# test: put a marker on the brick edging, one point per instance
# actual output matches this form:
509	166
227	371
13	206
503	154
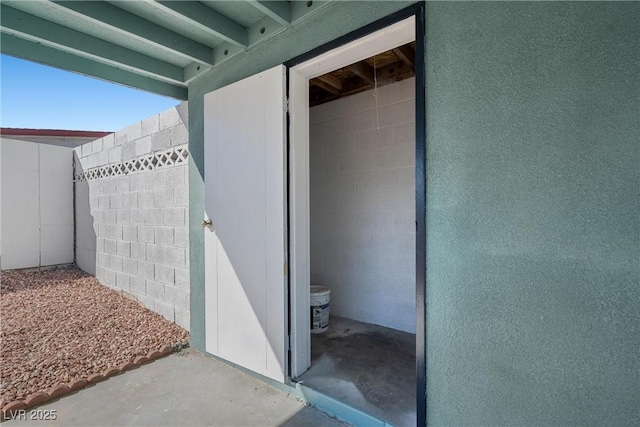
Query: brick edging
61	389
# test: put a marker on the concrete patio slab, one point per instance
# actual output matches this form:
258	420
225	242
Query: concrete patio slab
185	389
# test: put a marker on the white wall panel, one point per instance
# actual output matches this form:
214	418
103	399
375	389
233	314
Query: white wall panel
21	247
56	185
37	204
20	204
0	203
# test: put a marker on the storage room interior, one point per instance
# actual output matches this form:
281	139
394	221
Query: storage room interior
362	233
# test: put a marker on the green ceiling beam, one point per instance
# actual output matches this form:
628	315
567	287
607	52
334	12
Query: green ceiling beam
301	9
207	19
280	11
39	30
116	19
25	49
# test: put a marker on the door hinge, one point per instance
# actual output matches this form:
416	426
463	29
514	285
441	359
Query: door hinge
288	342
286	105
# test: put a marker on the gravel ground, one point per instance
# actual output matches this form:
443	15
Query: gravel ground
62	325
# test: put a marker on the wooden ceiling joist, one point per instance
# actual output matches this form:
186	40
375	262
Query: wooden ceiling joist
384	68
363	70
406	54
331	81
324	86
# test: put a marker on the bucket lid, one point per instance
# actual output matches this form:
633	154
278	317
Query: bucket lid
317	289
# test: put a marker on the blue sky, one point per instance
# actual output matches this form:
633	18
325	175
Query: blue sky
41	97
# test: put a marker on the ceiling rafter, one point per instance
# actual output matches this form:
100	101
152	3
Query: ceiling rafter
144	45
390	67
206	19
25	49
331	81
363	70
116	19
324	86
280	11
39	30
354	87
406	54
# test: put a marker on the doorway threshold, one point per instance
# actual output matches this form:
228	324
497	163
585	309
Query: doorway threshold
362	371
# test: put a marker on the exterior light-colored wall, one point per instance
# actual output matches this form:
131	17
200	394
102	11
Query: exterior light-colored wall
362	205
132	212
37	204
56	205
0	205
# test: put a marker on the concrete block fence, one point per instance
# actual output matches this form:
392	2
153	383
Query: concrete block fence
132	198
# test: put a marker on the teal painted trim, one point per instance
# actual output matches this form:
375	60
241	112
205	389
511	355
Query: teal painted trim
39	30
207	19
338	409
197	328
300	9
194	69
323	23
21	48
265	29
280	11
271	28
116	19
421	208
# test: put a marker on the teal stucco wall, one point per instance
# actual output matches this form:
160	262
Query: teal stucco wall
533	281
533	194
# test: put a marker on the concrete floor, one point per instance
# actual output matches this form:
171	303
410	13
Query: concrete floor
184	389
369	367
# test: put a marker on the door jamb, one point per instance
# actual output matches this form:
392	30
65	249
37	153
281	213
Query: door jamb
417	11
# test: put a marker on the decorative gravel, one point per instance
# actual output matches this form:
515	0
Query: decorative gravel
63	327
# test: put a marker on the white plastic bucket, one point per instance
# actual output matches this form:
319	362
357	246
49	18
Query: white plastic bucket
319	309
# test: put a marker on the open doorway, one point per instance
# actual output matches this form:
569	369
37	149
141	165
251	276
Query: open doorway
353	222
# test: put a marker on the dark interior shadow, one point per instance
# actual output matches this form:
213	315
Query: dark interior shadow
85	228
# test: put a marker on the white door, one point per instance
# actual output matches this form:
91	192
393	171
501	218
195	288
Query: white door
245	196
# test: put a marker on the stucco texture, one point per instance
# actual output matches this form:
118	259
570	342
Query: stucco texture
533	138
533	303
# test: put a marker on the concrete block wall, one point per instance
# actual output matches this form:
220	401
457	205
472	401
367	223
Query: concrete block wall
363	205
132	227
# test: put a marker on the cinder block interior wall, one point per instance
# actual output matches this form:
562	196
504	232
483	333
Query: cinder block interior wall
362	179
37	204
132	225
